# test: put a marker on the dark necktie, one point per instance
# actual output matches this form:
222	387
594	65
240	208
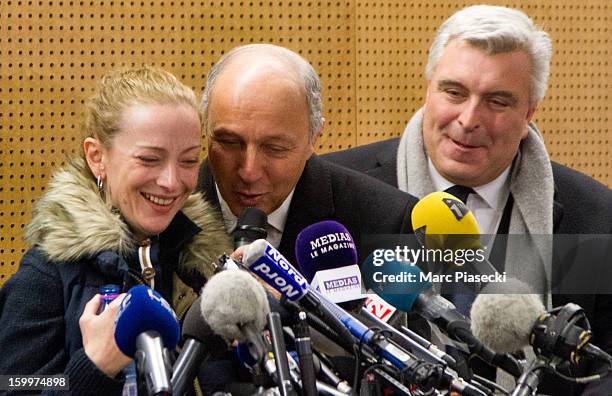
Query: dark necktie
463	300
461	192
462	297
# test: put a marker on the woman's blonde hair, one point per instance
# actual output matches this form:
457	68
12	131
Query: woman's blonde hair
122	88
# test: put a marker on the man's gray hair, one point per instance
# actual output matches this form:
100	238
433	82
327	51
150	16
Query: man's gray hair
495	30
303	72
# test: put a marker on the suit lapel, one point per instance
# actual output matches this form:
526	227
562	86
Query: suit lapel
312	202
386	163
557	212
206	185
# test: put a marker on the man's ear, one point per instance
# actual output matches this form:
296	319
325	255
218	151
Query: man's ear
530	112
94	155
313	140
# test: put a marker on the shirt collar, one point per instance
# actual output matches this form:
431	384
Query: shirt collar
276	219
495	193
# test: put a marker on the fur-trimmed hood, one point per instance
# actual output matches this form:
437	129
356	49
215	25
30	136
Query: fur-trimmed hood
72	222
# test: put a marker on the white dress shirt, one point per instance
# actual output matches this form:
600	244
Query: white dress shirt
276	219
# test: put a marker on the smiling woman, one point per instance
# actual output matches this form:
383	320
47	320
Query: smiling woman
122	213
151	168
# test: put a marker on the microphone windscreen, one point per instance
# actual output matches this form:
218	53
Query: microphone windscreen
231	300
503	315
446	222
397	282
143	309
322	246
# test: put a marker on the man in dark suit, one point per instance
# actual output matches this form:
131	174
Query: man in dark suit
487	71
262	115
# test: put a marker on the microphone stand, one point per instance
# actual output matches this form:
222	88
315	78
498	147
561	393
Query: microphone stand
528	382
280	353
304	351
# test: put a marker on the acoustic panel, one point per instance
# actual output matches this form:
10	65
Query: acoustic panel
370	56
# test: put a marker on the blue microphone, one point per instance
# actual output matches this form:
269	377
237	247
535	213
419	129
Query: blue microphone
264	260
272	267
145	325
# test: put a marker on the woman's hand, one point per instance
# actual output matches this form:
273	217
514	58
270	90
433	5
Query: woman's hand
99	336
238	254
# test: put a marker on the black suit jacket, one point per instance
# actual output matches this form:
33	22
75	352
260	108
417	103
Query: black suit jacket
326	191
581	206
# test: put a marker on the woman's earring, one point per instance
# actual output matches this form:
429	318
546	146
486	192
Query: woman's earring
100	183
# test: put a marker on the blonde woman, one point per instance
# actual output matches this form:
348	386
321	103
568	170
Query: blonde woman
121	213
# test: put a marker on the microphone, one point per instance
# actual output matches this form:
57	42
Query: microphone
272	267
264	260
303	347
285	386
251	226
414	293
235	306
145	325
327	372
326	255
509	322
442	221
440	215
200	340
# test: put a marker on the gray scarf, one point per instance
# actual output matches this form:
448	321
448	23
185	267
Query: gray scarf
532	187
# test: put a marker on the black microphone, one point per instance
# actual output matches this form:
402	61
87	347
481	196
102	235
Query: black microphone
443	313
200	341
251	226
303	347
280	355
509	322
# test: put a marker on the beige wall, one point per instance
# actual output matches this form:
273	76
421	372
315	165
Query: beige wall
370	55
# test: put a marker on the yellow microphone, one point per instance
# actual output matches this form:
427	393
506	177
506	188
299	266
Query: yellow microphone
441	221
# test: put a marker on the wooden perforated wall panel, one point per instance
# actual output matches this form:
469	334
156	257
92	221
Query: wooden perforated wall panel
370	55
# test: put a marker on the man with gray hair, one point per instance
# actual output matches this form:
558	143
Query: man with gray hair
487	71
